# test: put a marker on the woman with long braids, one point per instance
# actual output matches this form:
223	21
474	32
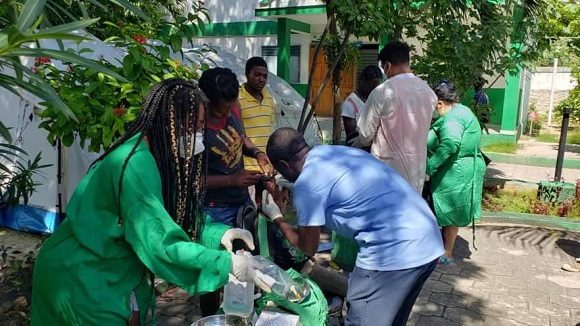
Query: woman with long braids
120	229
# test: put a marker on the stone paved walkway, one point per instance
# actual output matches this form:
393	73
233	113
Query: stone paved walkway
514	278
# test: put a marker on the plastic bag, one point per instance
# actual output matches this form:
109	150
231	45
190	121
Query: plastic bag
312	310
344	252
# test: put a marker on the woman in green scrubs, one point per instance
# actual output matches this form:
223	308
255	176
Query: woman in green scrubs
121	223
455	166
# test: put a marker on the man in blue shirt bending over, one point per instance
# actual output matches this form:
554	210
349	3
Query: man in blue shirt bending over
361	198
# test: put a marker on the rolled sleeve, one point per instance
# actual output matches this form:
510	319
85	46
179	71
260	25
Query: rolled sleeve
379	104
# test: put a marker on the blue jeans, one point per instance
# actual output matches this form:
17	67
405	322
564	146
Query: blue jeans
225	215
384	297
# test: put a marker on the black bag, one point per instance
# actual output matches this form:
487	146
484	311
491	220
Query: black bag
486	159
428	195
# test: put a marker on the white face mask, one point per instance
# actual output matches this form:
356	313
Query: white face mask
198	146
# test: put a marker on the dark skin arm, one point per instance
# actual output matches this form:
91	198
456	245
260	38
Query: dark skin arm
243	178
252	150
349	127
306	238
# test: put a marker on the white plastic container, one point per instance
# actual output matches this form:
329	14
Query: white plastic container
238	296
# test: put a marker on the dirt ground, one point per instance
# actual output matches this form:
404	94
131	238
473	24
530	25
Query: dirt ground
17	250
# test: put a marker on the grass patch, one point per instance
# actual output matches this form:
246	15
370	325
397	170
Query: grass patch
504	147
548	138
525	202
573	137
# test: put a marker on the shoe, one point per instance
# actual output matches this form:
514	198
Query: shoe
444	260
570	268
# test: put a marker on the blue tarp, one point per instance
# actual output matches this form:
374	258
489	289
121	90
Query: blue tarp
29	219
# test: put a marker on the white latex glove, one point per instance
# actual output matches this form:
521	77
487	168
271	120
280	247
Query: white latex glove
269	207
280	181
237	234
355	142
244	269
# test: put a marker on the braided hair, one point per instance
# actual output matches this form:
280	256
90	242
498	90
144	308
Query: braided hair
168	119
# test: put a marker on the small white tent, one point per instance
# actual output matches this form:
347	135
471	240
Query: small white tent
19	114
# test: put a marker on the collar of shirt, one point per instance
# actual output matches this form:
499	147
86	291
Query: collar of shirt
405	75
244	95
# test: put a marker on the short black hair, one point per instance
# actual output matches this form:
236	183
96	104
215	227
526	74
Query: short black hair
370	73
396	53
479	82
219	84
255	62
285	144
446	91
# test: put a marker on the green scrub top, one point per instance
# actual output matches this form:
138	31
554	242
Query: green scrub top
456	167
85	272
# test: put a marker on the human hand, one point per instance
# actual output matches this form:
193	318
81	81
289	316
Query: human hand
237	234
427	177
269	207
265	164
244	269
283	182
280	194
355	142
246	178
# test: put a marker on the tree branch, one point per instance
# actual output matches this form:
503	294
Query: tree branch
343	47
311	74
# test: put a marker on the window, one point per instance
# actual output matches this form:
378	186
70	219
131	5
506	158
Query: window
270	54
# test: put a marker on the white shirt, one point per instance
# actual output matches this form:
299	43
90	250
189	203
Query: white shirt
396	121
352	106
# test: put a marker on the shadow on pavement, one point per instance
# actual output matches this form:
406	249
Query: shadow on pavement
447	297
543	240
569	148
571	247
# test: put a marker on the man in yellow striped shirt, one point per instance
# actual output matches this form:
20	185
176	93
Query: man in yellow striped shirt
258	108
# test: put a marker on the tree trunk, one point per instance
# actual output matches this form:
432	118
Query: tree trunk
302	124
337	108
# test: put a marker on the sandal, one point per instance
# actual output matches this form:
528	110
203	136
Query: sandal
570	268
444	260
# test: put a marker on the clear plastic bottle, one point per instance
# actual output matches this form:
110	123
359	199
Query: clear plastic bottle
238	296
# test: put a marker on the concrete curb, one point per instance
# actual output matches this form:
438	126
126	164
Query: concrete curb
535	220
531	160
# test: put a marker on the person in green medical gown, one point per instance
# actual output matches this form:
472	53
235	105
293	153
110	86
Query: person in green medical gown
455	165
138	213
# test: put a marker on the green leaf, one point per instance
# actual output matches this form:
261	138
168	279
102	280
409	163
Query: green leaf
176	43
163	52
131	7
70	27
14	149
67	139
5	132
37	86
68	57
29	14
201	25
98	4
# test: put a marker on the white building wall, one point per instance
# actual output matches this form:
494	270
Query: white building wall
294	3
246	47
542	79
